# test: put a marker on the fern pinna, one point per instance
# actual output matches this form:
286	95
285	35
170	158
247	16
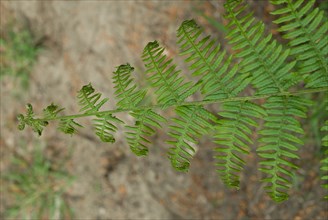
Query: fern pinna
276	73
306	29
130	97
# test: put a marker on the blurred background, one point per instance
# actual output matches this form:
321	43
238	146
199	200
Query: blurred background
49	50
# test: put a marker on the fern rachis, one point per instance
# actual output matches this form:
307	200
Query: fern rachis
264	64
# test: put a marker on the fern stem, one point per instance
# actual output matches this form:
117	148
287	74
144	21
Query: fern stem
203	102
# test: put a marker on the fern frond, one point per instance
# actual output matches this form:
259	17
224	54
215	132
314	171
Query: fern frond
68	126
307	31
233	136
261	56
162	74
36	125
103	123
104	127
137	135
206	59
88	99
129	96
51	111
125	89
193	122
279	136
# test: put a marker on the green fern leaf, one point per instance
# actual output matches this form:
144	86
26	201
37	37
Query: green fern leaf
279	136
307	31
143	128
104	127
218	78
68	126
233	138
264	58
51	111
192	123
103	124
163	75
88	99
130	97
125	90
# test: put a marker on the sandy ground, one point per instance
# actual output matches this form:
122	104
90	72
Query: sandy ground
83	42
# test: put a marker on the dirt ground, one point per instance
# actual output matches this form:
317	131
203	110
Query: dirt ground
83	41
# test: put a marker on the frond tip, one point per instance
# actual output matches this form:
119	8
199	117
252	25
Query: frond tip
51	111
88	99
126	91
36	124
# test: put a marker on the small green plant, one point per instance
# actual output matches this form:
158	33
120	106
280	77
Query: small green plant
280	75
17	54
38	189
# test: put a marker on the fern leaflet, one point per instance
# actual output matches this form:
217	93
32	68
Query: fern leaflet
218	80
307	32
89	102
163	75
192	123
262	57
233	133
145	119
68	126
280	142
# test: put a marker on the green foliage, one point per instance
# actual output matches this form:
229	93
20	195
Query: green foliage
130	97
192	123
306	29
233	140
18	53
163	76
275	71
28	119
88	100
38	189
